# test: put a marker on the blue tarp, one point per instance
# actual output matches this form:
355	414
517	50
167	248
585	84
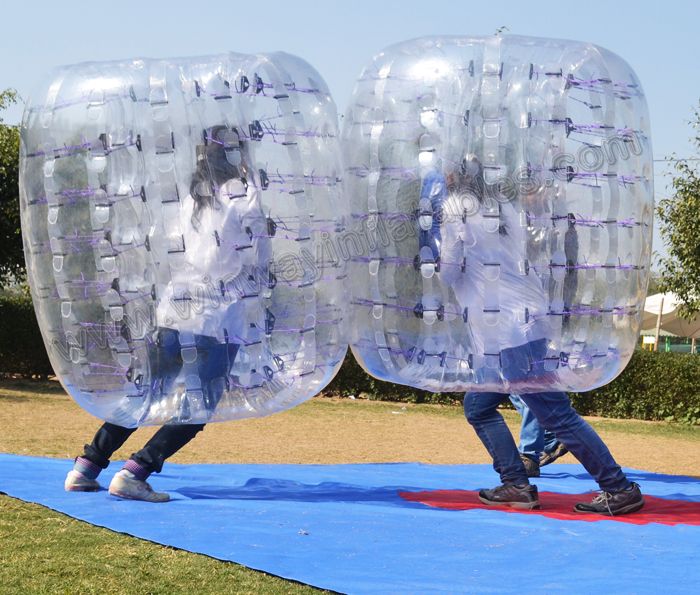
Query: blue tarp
347	528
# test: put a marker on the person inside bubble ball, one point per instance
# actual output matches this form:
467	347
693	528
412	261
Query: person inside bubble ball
522	349
220	219
539	447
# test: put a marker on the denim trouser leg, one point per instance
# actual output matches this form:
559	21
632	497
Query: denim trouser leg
108	439
550	441
214	360
165	443
532	435
481	412
555	413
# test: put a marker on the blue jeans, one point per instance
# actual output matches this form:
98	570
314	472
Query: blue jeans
165	443
214	362
534	439
554	412
434	188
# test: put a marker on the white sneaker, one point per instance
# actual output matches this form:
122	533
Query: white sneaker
125	485
77	482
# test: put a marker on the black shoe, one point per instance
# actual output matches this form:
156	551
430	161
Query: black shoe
614	503
524	496
549	457
531	467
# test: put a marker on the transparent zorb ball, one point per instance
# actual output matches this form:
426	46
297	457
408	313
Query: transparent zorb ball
173	213
501	196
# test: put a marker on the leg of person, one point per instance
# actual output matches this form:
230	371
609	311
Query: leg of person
550	441
215	360
108	439
553	449
168	440
555	413
531	437
530	357
481	412
131	482
165	358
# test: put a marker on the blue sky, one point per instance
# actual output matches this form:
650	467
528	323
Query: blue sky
660	40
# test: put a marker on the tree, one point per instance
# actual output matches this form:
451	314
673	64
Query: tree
11	254
679	216
654	283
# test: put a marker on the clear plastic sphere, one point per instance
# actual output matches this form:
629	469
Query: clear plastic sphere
173	212
501	196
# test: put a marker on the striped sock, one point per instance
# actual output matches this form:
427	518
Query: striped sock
86	467
139	472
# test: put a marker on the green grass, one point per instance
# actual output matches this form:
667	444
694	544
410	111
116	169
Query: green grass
42	551
34	389
629	426
39	391
652	429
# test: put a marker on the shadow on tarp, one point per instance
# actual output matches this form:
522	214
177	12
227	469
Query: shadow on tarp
281	489
669	511
385	528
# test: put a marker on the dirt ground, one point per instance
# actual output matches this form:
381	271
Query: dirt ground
39	419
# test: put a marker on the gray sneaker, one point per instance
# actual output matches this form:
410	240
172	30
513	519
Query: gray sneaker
614	503
77	482
549	457
524	496
125	485
532	468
